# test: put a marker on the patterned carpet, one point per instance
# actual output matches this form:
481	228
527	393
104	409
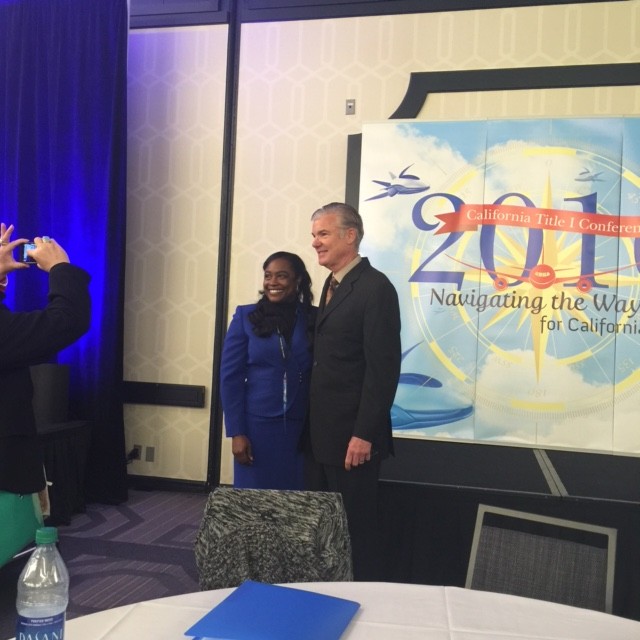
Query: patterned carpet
121	554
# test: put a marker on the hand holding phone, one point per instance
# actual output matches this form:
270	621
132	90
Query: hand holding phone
48	253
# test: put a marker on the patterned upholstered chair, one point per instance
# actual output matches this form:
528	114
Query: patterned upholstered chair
272	536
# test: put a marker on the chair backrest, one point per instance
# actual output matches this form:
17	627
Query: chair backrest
541	557
20	516
273	536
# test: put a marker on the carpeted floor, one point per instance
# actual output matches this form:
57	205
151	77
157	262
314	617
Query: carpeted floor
121	554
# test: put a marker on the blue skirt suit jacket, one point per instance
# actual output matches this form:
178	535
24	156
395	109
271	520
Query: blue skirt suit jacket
264	387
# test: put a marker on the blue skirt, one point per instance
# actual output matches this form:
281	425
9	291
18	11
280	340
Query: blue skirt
277	460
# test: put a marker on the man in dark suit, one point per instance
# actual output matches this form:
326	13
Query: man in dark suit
355	373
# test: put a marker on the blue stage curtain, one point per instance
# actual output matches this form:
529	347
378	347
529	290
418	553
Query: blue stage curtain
63	174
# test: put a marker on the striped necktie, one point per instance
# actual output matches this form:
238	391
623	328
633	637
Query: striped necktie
333	285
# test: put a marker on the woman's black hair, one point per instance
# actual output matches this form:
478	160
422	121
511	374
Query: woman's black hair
305	296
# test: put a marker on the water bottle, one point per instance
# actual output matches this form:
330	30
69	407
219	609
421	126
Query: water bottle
43	591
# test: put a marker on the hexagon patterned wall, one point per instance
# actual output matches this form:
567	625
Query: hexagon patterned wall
176	107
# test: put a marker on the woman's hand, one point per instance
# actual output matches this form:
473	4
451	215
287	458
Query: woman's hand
241	448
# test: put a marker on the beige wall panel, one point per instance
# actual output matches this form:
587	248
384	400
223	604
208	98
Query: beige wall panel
295	78
176	107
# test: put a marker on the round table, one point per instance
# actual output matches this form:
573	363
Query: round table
388	611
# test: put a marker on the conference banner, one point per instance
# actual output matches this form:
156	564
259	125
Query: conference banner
514	246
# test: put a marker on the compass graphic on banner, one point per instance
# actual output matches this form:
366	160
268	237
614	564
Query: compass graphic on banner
542	281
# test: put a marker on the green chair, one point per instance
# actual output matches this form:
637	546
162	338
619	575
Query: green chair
20	516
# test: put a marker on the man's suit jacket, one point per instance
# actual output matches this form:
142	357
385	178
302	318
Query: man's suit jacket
356	365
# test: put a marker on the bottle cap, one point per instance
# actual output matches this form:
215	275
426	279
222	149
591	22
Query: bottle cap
46	535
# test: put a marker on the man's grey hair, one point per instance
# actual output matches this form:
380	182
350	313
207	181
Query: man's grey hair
348	217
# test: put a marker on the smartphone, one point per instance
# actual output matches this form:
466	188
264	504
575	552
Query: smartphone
25	257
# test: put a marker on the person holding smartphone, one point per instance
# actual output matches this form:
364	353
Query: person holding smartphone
28	338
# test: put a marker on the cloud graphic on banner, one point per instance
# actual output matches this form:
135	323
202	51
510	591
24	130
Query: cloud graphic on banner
559	387
525	169
430	159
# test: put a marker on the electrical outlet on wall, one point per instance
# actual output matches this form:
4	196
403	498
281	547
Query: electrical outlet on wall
150	454
350	107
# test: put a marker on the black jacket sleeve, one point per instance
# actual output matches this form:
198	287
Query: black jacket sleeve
29	337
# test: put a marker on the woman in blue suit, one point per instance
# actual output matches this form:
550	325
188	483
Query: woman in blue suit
264	377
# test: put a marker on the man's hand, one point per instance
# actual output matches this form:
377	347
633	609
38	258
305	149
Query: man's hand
48	253
241	448
358	452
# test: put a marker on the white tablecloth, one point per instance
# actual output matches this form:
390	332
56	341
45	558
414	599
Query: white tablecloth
388	611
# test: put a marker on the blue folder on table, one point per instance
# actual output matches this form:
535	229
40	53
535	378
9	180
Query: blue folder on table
258	611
